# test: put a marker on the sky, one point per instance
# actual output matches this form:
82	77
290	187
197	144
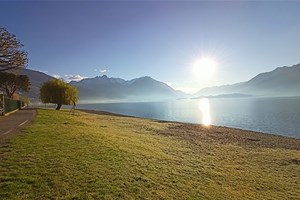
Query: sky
161	39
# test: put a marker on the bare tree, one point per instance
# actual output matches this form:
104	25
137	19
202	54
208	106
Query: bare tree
11	54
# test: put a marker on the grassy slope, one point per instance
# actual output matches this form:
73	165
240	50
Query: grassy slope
86	156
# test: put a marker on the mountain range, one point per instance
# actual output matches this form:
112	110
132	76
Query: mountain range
103	88
283	81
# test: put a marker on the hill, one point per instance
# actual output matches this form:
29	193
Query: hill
107	89
283	81
36	80
103	88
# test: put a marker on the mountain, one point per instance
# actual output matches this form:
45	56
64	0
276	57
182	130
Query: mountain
283	81
103	88
36	80
231	95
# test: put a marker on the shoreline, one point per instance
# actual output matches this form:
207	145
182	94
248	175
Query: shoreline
276	116
220	134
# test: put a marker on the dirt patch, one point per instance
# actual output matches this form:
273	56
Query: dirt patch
104	113
224	135
295	161
290	162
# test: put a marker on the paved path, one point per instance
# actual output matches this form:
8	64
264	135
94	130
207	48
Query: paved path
13	123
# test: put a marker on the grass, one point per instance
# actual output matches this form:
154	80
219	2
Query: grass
88	156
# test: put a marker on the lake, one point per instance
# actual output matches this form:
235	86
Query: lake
279	116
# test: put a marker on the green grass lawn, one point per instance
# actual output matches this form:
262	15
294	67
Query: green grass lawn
87	156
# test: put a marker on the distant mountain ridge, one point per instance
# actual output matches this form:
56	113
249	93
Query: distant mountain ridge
283	81
103	88
36	80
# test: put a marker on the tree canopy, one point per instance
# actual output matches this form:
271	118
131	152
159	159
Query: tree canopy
11	54
58	92
10	83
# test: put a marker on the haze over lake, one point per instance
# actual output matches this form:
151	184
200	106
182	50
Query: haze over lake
279	115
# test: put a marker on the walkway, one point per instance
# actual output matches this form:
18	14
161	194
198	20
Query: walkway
13	123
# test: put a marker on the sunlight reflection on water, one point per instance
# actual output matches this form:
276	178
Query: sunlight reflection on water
205	109
279	115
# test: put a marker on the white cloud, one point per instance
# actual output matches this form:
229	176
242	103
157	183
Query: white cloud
168	83
74	77
103	70
57	76
45	72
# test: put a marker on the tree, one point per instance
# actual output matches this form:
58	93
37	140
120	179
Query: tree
11	54
10	83
58	92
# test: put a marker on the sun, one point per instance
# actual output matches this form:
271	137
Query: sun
204	68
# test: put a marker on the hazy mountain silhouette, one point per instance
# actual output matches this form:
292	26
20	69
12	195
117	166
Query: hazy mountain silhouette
231	95
103	88
283	81
36	80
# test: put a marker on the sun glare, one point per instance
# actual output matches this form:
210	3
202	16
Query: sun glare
204	68
205	109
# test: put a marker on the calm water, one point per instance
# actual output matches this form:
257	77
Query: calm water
270	115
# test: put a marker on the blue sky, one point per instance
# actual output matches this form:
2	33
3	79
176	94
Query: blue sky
158	39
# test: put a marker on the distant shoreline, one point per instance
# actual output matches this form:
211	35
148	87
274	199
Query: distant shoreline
267	115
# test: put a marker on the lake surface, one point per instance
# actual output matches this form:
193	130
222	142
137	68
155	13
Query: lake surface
279	116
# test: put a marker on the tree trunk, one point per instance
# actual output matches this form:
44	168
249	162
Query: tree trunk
58	106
